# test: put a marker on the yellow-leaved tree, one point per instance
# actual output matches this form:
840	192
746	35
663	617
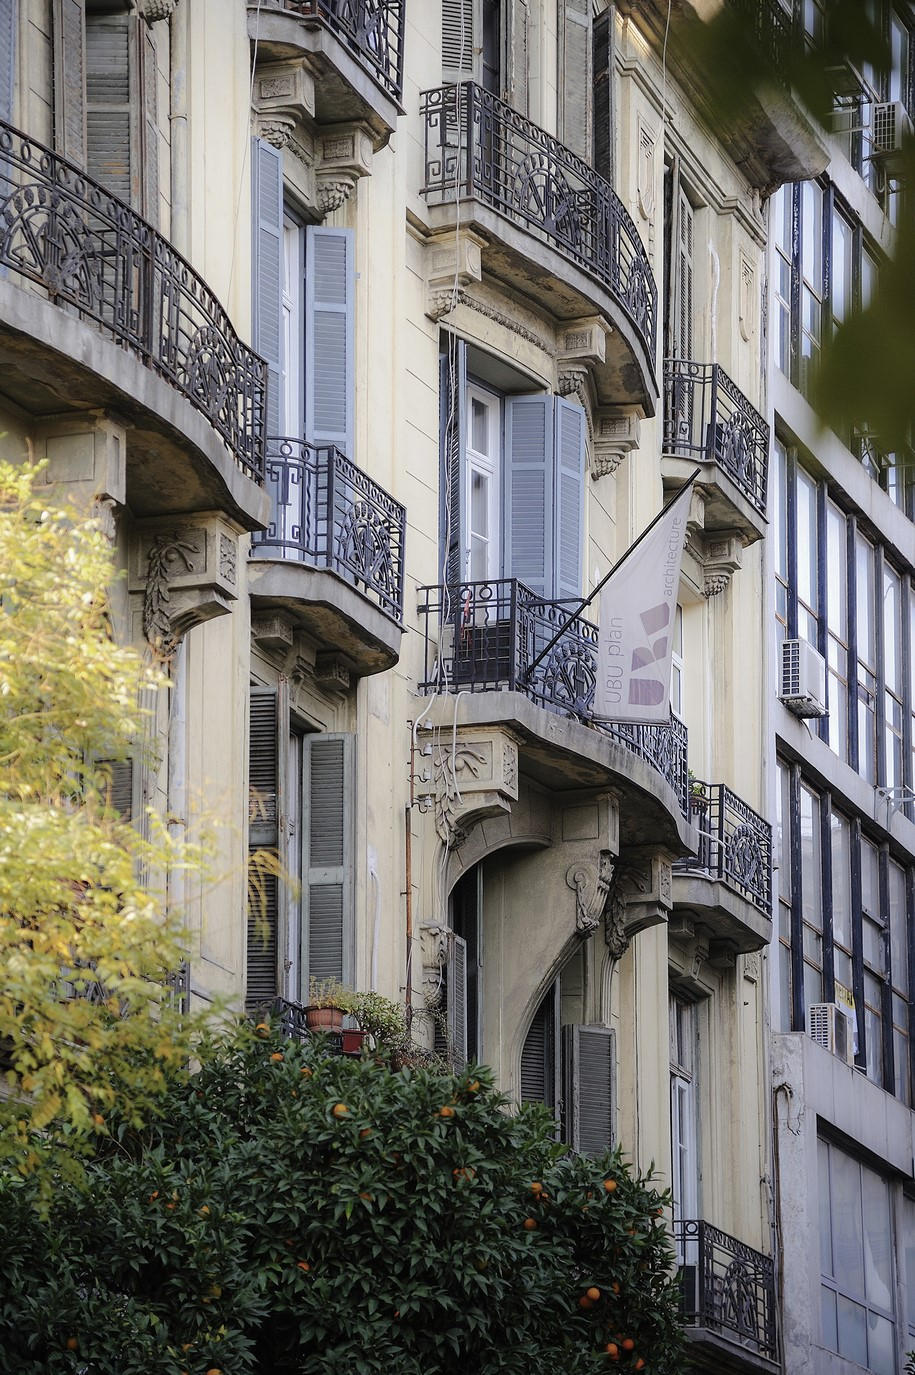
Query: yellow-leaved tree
89	1020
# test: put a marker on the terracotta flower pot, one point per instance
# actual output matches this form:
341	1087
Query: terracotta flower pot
352	1041
324	1018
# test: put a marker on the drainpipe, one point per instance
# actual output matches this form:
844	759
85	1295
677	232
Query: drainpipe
179	25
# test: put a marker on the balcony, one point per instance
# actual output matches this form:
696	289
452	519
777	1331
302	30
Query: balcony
332	555
728	883
727	1301
98	311
482	638
554	230
354	48
708	421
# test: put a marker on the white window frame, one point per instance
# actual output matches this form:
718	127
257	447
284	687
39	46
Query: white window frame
489	466
684	1149
293	374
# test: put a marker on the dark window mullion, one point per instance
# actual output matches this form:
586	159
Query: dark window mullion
822	582
829	980
907	650
886	993
829	205
880	646
857	943
798	1007
791	530
852	632
910	933
795	191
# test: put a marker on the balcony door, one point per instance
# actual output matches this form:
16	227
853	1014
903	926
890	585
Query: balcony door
684	1152
483	477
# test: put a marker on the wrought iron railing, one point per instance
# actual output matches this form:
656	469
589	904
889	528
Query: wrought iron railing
328	512
735	843
477	146
374	29
727	1286
773	30
92	255
484	637
177	985
707	417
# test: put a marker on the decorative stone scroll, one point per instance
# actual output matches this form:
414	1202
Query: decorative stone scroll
616	433
641	895
466	780
186	573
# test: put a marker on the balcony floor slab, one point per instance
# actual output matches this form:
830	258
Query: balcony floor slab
725	913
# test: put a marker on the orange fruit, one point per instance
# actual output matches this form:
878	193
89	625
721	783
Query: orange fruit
262	1029
154	1195
72	1343
277	1055
610	1185
214	1370
306	1071
98	1119
474	1087
536	1187
446	1111
170	1207
204	1210
366	1131
612	1350
615	1286
585	1302
303	1265
340	1110
367	1197
627	1344
640	1364
530	1224
593	1293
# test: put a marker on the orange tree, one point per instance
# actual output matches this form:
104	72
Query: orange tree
293	1211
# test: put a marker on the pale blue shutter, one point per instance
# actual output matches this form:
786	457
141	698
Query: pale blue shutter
108	134
329	334
267	305
7	58
327	859
452	423
588	1056
571	436
529	504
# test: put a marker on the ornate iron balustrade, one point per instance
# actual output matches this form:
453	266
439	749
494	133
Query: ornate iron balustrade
727	1286
374	29
93	255
328	512
483	636
773	30
707	417
735	843
177	986
478	146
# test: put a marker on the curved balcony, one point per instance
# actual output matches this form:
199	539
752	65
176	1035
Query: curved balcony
709	421
354	47
332	554
559	233
728	1301
727	885
482	637
112	316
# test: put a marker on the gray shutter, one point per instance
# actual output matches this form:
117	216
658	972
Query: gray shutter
602	104
150	158
452	439
8	10
457	1000
588	1063
538	1054
329	337
108	157
267	277
529	505
683	279
519	60
327	860
70	80
571	438
262	970
575	93
120	787
458	39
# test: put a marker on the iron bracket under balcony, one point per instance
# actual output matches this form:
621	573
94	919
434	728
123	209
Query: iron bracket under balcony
727	1302
550	228
331	559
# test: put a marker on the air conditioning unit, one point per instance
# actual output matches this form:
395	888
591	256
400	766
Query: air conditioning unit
832	1028
891	123
802	679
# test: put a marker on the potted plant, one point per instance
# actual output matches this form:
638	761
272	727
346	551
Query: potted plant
328	1000
381	1019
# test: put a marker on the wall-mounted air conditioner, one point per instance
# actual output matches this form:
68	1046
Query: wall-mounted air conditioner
802	679
831	1026
891	122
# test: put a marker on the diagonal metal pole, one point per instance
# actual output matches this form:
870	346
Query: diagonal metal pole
606	578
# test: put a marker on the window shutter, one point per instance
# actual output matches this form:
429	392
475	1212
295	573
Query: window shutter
267	236
538	1055
329	321
683	287
603	95
262	971
7	58
70	80
150	160
108	103
588	1062
529	506
571	437
452	437
457	1000
327	861
120	787
575	104
458	39
518	93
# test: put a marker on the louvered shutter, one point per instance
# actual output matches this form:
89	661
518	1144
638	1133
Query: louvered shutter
529	505
571	437
70	80
108	137
458	39
683	308
602	104
457	1000
327	861
267	277
150	129
519	20
452	437
120	787
262	973
7	58
588	1065
329	337
575	95
538	1054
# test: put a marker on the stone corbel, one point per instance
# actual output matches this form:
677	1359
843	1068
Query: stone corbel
574	380
719	555
463	783
152	10
590	836
590	884
186	571
343	155
273	633
86	454
284	91
453	263
332	672
582	341
641	895
616	433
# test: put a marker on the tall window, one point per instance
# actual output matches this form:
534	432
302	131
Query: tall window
683	1109
857	1295
867	658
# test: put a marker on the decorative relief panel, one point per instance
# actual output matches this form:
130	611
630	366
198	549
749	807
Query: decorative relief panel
465	780
186	572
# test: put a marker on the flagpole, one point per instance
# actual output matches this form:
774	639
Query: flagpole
606	578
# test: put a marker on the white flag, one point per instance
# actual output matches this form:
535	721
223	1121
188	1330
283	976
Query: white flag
638	605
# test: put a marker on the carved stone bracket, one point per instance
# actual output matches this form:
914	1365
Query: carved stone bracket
186	571
464	782
641	895
152	10
719	555
343	154
86	453
453	262
590	884
284	91
616	433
